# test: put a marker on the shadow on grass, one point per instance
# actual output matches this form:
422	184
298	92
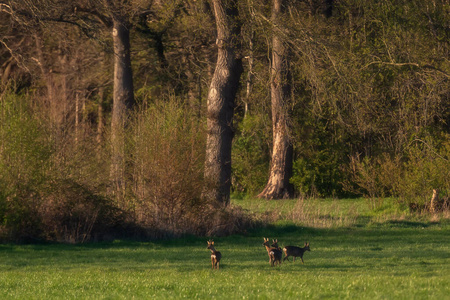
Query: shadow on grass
406	224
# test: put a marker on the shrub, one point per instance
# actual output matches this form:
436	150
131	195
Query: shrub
250	156
318	175
410	177
72	213
425	169
167	180
37	201
25	161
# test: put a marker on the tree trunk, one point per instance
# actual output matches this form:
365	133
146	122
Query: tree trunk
221	102
249	81
278	185
123	102
434	202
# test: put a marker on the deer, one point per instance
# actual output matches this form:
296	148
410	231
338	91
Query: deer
295	252
215	255
274	252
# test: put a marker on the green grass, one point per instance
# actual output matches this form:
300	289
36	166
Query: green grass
333	213
393	259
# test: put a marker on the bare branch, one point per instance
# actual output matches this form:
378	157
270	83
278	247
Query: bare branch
407	64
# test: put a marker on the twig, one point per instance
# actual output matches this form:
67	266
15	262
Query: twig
429	147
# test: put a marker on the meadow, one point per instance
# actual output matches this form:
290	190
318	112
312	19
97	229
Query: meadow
358	251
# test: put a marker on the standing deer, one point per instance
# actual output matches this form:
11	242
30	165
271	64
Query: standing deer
274	252
215	255
295	251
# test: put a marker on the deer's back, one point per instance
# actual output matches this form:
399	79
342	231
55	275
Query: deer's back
293	251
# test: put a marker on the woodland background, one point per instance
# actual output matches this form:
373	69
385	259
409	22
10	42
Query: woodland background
368	112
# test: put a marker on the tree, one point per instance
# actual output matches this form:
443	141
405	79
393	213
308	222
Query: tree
123	100
278	185
221	102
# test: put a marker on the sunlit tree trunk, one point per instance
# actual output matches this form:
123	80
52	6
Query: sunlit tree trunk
221	102
278	185
249	81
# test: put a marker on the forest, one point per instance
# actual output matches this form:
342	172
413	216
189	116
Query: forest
142	118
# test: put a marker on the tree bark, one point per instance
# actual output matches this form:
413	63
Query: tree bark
221	102
434	202
249	81
123	102
278	185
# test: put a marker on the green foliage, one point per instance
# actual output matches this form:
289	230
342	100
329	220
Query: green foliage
318	141
411	177
425	169
370	87
318	175
25	152
25	148
250	155
44	194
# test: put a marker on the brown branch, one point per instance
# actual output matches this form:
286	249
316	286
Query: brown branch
407	64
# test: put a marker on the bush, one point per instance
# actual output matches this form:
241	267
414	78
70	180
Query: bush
317	176
426	169
168	155
72	213
36	201
251	156
411	177
25	161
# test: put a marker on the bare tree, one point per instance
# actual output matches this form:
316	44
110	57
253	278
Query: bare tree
278	185
123	100
221	102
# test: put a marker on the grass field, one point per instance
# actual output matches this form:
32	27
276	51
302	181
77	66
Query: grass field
392	259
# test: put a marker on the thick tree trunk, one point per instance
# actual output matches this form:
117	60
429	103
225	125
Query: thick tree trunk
221	102
278	185
123	102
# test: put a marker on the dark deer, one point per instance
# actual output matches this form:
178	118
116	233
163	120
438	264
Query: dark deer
295	251
274	253
215	255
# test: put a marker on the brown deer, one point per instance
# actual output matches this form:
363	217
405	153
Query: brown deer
215	255
277	254
295	252
274	252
